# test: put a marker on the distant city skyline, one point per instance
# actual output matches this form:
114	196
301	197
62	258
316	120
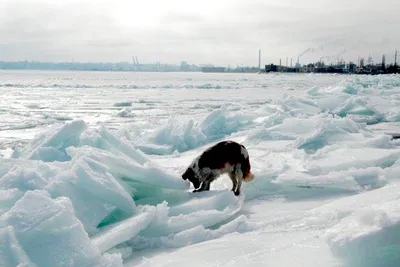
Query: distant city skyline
393	58
224	32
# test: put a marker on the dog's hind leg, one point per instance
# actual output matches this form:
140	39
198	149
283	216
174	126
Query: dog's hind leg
239	178
234	180
239	185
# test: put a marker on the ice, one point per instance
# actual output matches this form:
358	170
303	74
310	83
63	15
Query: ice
11	252
352	179
191	217
358	100
296	105
175	137
117	233
105	188
123	104
195	235
22	179
393	116
125	113
314	133
8	198
94	177
94	192
18	176
105	140
101	179
178	136
369	235
155	149
49	232
87	207
325	161
329	131
59	117
359	110
51	145
127	169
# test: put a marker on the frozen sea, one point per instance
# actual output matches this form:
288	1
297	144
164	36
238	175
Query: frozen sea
90	166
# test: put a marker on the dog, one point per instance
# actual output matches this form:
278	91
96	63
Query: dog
224	157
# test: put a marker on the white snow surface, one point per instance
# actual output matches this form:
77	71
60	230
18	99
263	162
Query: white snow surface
91	164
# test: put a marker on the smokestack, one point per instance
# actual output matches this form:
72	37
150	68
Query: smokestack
280	62
291	62
395	58
287	62
259	59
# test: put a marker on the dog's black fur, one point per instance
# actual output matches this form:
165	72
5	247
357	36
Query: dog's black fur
224	157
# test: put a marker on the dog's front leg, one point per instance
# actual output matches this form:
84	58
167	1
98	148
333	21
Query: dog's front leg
199	189
207	187
204	186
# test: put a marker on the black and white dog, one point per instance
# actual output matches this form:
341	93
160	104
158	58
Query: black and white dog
225	157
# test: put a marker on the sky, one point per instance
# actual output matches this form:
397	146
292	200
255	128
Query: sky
220	32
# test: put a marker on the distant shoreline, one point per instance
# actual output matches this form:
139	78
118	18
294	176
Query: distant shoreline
200	72
126	67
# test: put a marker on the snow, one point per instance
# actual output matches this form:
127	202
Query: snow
98	181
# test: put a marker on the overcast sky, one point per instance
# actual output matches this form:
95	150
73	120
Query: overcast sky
203	31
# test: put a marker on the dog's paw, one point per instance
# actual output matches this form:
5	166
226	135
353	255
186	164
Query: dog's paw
237	192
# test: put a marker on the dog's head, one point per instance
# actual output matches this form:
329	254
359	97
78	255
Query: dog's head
190	175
